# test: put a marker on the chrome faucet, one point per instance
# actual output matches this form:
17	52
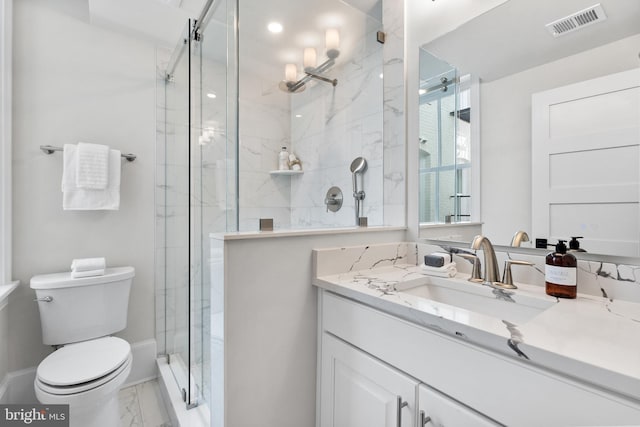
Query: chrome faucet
519	237
491	270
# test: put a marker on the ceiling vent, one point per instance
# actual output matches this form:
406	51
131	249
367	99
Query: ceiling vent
576	21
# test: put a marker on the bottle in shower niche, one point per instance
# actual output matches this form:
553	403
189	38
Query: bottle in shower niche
283	160
560	272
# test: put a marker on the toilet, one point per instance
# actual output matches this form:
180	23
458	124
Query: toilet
89	366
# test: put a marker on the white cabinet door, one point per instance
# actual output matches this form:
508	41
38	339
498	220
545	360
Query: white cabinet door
436	409
358	390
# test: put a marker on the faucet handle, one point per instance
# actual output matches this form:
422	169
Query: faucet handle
475	272
507	278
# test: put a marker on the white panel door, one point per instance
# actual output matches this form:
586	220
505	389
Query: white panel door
434	408
586	163
358	390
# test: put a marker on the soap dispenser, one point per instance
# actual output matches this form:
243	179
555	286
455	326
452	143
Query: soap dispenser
574	245
561	272
283	160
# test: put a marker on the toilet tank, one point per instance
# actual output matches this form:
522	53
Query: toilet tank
83	308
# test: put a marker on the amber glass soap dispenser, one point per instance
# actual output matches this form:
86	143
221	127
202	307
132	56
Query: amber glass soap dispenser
560	272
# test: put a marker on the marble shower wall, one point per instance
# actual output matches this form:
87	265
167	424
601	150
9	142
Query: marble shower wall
331	126
394	145
264	128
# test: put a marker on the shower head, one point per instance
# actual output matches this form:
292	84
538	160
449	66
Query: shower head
358	165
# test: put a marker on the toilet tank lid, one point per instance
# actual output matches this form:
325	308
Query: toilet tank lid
64	280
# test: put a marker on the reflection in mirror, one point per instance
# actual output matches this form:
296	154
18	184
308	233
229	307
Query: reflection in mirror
444	142
514	56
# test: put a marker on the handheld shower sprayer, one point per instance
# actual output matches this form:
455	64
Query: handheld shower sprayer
358	167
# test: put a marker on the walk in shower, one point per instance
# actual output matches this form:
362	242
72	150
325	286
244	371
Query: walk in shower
230	96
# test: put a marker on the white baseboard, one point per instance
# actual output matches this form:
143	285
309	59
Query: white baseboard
17	386
144	366
20	387
4	390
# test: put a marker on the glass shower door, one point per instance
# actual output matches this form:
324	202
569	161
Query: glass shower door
200	186
183	258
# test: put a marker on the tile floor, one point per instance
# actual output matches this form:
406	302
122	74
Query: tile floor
141	405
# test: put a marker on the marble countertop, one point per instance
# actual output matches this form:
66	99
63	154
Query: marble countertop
590	338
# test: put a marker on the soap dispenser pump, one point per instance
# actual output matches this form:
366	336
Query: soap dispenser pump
561	272
574	245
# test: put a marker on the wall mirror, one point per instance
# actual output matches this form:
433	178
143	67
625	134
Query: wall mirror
514	54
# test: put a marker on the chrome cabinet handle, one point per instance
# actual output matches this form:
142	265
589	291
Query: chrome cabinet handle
44	299
424	419
401	405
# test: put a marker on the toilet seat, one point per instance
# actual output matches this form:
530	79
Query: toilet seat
83	366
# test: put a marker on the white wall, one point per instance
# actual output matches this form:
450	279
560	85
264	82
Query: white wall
6	11
505	129
76	82
270	313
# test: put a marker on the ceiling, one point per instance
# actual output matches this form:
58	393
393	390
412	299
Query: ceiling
512	36
161	21
304	22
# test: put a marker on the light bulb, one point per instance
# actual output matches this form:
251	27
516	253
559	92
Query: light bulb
310	58
290	72
332	42
275	27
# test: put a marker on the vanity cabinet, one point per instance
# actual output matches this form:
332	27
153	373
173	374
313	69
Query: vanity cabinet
436	409
360	391
368	358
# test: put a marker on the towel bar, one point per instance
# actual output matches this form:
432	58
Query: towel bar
49	149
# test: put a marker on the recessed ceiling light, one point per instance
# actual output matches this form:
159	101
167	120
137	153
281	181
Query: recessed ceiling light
211	95
275	27
381	75
298	115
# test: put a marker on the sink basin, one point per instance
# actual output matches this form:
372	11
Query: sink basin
498	303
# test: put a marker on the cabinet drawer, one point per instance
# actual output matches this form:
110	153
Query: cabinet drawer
506	390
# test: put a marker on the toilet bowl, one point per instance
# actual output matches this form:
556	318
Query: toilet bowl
86	376
91	366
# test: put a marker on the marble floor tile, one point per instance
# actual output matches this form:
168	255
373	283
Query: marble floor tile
130	414
154	412
141	405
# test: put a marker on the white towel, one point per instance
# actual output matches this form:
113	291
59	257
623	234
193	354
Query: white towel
88	264
92	167
89	273
447	270
74	198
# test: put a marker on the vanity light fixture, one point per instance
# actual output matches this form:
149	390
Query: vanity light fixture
292	84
